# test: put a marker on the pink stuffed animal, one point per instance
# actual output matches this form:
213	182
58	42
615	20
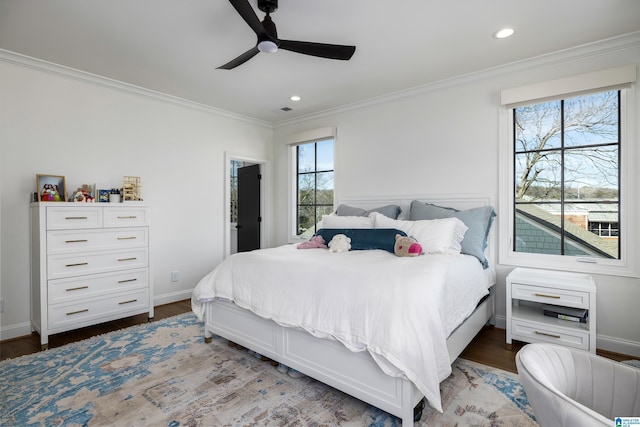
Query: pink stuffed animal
314	242
407	246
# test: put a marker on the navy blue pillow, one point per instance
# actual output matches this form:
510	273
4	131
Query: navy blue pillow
364	238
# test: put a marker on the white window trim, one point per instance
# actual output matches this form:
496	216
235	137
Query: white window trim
630	164
292	141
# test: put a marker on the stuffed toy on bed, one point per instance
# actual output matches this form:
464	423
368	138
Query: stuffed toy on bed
340	243
407	246
313	243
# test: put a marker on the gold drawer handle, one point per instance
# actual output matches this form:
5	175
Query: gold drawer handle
127	280
76	241
78	264
127	302
77	312
127	217
548	296
76	217
77	289
547	335
127	259
127	238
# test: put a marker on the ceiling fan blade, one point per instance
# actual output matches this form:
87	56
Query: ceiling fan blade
323	50
249	15
240	59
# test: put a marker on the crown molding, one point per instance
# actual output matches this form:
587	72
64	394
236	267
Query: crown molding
24	61
577	53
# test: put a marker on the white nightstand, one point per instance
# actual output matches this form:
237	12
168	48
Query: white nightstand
528	290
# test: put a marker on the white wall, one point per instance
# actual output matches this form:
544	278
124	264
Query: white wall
58	122
444	139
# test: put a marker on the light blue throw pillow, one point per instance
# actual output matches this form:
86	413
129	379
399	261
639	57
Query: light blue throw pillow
478	220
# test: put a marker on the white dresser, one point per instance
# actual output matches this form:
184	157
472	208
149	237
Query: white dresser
89	264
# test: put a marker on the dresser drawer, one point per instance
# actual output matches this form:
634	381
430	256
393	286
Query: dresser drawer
68	217
73	315
125	216
69	241
74	288
523	330
555	296
77	264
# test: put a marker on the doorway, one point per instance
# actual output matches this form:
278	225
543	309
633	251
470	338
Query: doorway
244	205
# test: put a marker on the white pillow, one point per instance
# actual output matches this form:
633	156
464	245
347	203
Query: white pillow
435	235
337	221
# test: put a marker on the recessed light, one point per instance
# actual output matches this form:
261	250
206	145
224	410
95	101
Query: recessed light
295	98
503	33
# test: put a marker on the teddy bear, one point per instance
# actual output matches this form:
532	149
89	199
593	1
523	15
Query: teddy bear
340	243
407	246
314	242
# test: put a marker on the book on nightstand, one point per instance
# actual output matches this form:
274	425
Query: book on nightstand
566	313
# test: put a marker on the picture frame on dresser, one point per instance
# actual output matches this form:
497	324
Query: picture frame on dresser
51	188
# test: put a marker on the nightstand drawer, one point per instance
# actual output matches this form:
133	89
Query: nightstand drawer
69	241
537	332
125	216
555	296
69	265
74	288
76	314
66	218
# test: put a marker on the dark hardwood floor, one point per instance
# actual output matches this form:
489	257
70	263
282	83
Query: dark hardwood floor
488	347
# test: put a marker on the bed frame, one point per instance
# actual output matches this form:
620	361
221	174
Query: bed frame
330	362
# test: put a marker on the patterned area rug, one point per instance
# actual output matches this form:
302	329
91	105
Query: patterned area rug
163	374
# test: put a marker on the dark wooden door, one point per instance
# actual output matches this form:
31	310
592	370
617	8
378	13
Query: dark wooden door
249	208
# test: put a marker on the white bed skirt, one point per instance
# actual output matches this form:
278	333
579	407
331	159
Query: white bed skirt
331	362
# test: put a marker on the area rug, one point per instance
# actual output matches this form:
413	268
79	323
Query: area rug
163	374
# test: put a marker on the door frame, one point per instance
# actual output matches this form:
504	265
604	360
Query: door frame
264	198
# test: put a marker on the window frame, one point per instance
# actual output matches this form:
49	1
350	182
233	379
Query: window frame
627	265
293	141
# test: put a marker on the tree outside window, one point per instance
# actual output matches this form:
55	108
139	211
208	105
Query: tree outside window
567	176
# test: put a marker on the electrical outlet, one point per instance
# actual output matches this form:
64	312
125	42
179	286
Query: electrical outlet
174	276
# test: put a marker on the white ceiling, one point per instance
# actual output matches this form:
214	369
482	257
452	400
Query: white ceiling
174	46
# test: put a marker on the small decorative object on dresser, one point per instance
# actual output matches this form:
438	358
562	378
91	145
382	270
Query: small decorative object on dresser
89	264
551	306
50	188
103	195
131	189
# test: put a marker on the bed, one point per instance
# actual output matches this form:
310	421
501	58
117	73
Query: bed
297	307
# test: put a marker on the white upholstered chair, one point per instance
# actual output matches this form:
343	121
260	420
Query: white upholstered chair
568	387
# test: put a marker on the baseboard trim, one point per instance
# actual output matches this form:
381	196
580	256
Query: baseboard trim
171	297
617	345
15	331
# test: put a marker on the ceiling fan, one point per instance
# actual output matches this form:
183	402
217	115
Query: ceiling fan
268	40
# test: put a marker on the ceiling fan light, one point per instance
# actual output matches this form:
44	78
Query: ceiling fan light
267	46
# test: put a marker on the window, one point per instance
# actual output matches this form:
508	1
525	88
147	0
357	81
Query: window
569	174
233	189
567	181
314	184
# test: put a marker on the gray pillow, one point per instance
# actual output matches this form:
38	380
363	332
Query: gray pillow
478	220
392	211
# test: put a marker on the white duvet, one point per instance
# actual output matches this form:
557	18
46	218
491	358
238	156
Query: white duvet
400	310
